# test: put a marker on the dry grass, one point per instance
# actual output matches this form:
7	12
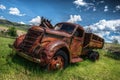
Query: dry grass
19	32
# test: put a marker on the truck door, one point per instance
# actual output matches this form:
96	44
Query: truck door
77	42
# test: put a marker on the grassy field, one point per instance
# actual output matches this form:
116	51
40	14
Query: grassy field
13	67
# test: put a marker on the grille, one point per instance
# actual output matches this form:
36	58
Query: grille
29	40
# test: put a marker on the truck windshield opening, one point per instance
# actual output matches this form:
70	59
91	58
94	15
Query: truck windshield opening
64	27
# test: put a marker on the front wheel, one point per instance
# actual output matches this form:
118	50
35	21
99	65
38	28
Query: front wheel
59	61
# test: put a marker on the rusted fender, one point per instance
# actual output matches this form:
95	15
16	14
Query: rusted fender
18	40
54	46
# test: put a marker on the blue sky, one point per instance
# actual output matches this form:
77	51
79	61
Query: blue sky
88	13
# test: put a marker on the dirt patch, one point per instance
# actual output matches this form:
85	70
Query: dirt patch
19	32
3	28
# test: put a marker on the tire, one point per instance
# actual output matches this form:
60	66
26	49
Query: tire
93	56
59	61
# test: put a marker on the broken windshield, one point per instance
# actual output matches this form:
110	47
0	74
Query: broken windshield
64	27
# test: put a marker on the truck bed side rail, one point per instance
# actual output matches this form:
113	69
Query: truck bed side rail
93	41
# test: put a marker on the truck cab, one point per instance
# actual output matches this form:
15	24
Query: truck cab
76	38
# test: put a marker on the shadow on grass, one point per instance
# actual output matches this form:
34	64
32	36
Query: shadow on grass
34	68
28	66
22	65
74	65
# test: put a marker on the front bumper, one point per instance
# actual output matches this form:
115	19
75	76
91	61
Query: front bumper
36	60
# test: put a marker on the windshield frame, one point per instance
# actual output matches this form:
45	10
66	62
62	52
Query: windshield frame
67	25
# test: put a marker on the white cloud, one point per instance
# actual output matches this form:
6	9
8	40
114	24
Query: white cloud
107	29
88	8
94	8
75	18
15	11
80	3
114	11
36	20
2	7
106	25
1	17
105	8
118	7
21	22
99	2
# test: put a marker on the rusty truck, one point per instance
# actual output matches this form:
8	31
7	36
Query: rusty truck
57	46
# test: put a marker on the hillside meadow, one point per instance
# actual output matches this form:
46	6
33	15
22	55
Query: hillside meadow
20	31
14	67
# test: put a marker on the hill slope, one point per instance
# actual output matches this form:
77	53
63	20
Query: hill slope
9	23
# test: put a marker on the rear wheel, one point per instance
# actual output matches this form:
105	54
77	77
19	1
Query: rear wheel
93	55
59	61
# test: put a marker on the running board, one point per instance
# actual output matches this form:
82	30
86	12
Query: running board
76	59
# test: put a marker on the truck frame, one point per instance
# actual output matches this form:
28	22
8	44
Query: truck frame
56	47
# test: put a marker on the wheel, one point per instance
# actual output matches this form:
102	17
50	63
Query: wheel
59	61
93	56
97	55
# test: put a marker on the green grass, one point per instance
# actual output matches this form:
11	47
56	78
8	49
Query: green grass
13	67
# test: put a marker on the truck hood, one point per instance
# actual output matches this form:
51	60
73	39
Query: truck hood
48	38
51	31
50	35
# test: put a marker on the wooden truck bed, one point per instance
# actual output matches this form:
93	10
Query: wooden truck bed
93	41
